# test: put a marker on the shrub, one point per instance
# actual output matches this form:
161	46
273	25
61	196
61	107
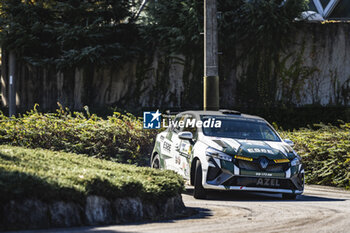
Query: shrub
119	137
326	153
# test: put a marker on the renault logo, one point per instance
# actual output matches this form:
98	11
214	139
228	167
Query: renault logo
264	162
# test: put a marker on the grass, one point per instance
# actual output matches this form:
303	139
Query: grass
49	175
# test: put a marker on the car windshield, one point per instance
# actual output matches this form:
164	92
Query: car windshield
245	128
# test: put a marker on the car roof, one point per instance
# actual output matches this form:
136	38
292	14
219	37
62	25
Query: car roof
232	113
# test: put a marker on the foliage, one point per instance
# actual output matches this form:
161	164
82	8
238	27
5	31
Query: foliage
175	26
293	78
48	176
260	24
263	30
68	33
119	137
325	152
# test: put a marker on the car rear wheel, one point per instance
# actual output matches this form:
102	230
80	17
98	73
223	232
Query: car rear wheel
199	191
289	196
156	162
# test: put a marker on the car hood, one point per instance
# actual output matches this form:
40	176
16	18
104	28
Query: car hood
251	148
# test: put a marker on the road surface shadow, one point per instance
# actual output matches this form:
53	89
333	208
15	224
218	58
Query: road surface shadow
245	196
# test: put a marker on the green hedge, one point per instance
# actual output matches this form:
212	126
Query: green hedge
119	137
49	175
326	153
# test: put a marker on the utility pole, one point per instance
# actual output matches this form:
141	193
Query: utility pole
211	69
12	87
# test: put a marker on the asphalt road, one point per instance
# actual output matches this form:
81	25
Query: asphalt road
320	209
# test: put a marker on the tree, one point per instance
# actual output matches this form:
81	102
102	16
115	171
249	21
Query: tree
175	26
69	33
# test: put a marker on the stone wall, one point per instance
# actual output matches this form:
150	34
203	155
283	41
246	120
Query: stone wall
35	214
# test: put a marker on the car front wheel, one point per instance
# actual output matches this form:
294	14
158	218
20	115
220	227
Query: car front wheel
199	191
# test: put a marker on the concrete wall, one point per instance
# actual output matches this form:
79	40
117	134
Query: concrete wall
317	71
326	47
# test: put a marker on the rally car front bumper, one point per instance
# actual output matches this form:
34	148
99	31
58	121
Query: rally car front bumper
224	175
252	189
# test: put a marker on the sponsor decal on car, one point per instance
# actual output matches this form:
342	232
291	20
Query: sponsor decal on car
258	150
268	182
167	146
263	174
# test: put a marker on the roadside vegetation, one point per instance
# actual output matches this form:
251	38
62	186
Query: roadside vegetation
119	137
48	175
325	151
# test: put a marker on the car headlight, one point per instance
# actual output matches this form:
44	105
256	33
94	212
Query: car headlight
211	152
295	162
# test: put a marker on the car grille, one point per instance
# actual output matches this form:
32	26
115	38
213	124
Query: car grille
255	166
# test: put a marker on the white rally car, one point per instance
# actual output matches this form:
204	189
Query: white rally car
227	150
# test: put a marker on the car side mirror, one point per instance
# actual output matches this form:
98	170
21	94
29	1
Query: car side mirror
289	142
186	135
